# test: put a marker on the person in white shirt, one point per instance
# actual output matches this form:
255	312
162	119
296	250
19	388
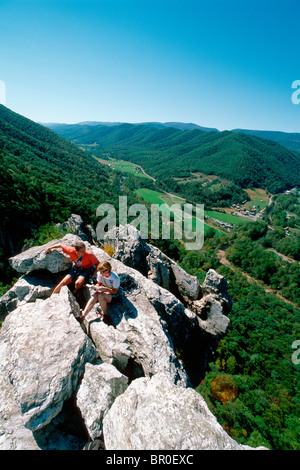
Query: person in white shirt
108	284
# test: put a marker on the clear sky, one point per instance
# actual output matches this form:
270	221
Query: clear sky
218	63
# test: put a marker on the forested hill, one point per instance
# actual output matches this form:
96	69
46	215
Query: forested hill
245	160
44	178
290	140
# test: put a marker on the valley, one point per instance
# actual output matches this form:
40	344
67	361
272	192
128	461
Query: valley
226	218
175	155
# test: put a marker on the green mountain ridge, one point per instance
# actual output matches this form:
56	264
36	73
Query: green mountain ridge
246	160
290	140
159	125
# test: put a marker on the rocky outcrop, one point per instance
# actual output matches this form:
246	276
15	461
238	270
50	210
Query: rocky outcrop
45	372
28	288
35	259
133	250
154	414
64	383
76	225
100	386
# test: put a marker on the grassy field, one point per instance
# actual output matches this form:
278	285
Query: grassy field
227	218
124	167
259	198
155	197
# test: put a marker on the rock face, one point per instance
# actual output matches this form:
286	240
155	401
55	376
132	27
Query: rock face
63	383
132	250
154	414
28	288
100	386
35	259
44	373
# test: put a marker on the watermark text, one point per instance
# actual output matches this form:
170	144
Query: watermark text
296	354
296	94
180	222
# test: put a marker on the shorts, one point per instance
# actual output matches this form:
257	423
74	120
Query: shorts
84	272
116	297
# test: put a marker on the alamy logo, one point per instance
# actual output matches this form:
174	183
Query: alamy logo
296	354
2	92
186	223
296	94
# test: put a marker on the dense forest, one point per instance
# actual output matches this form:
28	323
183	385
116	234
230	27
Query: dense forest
290	140
252	385
169	153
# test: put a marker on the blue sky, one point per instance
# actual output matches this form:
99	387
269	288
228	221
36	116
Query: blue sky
224	63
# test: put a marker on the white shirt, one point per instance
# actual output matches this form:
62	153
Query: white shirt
112	281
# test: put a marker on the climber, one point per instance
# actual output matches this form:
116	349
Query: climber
106	290
84	265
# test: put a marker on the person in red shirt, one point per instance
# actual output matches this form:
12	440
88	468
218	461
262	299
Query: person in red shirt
84	265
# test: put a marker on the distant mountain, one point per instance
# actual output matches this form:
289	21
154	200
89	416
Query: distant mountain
160	125
180	125
246	160
290	140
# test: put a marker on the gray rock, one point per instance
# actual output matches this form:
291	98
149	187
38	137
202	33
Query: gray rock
154	414
135	252
35	259
100	386
129	247
210	315
146	321
13	434
215	282
110	343
149	325
46	351
75	225
27	289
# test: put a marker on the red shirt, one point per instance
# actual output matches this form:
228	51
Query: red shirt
88	260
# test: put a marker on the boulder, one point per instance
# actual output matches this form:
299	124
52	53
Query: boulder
210	315
100	386
132	249
76	226
110	343
129	246
147	311
154	414
28	288
35	259
145	323
215	282
46	353
13	434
